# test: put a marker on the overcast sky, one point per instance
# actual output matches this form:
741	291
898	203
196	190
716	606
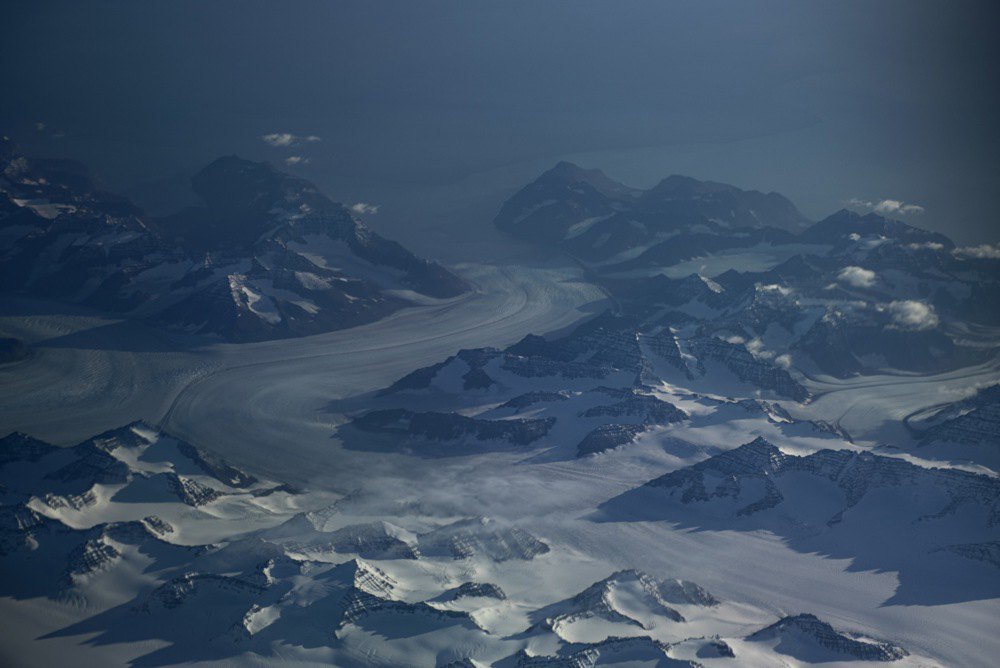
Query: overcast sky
825	102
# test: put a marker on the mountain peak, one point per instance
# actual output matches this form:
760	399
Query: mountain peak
571	170
760	445
568	173
595	218
838	226
233	183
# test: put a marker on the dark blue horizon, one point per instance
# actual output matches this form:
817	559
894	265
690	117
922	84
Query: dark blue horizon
823	102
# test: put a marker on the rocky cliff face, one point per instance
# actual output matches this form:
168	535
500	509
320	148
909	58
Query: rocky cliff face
611	651
752	478
804	635
975	421
608	437
308	581
756	371
481	537
649	597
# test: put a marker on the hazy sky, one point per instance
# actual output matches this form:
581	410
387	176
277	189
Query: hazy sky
416	104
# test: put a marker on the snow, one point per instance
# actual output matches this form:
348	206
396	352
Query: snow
759	257
531	210
259	304
576	229
274	409
336	255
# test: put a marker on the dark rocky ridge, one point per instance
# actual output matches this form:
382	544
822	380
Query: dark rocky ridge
608	437
855	473
808	628
452	427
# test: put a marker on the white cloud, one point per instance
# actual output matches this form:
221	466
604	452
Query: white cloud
912	314
296	160
40	126
887	206
982	252
857	277
774	287
285	139
927	245
365	208
784	361
279	139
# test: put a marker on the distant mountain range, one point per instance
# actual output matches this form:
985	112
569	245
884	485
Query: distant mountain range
617	227
849	294
266	255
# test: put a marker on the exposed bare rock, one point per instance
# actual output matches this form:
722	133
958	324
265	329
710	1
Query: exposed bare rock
801	635
481	536
191	491
216	467
608	437
452	426
476	590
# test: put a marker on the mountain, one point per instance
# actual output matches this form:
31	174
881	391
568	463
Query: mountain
750	479
648	597
547	209
848	295
807	638
231	568
599	220
690	202
266	256
883	512
451	427
968	429
974	421
613	651
846	225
